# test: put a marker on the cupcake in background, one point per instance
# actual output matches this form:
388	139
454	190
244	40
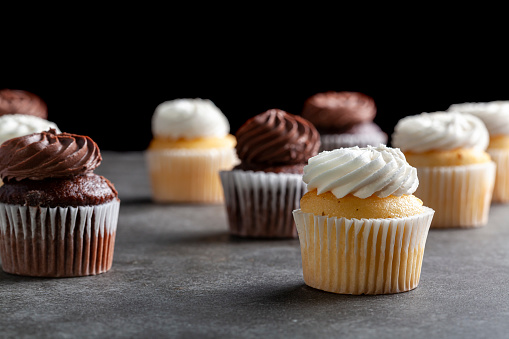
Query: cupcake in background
456	173
15	101
190	145
17	125
262	192
344	119
495	115
361	229
57	217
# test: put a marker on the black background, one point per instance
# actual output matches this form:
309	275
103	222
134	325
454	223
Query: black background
109	92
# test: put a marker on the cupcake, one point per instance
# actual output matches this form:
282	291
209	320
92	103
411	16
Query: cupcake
14	101
57	217
263	190
191	144
344	119
456	173
361	229
495	115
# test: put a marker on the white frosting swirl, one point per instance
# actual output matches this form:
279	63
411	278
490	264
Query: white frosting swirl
189	119
363	172
440	131
17	125
494	114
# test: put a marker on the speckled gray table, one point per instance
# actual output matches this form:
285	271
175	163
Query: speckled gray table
177	273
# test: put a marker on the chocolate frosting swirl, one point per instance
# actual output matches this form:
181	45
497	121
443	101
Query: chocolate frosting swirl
14	101
336	112
276	137
44	155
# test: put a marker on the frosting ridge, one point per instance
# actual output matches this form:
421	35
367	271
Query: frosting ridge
440	131
44	155
189	118
362	172
276	137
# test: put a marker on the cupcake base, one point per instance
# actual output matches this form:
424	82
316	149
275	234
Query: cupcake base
59	241
460	195
260	204
188	175
367	256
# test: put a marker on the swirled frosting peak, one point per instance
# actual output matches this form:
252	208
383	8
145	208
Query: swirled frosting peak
333	112
48	154
440	131
276	137
189	119
13	101
362	172
494	114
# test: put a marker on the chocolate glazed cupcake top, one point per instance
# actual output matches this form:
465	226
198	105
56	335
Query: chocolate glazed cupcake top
337	112
276	141
48	155
22	102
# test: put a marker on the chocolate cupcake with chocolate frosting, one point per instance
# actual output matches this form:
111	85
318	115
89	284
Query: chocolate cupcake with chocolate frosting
344	119
57	217
15	101
263	190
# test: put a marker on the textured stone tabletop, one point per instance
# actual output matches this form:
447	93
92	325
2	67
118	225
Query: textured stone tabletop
178	274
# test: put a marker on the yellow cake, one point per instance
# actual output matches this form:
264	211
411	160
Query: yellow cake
191	144
361	229
456	173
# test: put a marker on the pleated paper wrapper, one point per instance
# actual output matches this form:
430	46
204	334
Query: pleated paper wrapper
329	142
188	175
366	256
460	195
58	241
260	204
501	189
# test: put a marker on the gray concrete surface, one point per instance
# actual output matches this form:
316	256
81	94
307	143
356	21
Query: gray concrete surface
178	274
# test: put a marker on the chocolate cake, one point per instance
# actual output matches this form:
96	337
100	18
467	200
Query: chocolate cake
262	192
57	217
344	119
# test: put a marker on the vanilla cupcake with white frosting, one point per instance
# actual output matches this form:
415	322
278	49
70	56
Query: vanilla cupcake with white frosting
456	173
361	229
495	115
191	143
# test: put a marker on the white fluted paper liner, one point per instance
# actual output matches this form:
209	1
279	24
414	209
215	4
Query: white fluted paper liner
58	241
260	204
460	195
329	142
367	256
189	175
501	189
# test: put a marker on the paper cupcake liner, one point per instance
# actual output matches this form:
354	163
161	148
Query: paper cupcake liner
501	189
367	256
460	195
57	241
330	142
188	175
260	204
